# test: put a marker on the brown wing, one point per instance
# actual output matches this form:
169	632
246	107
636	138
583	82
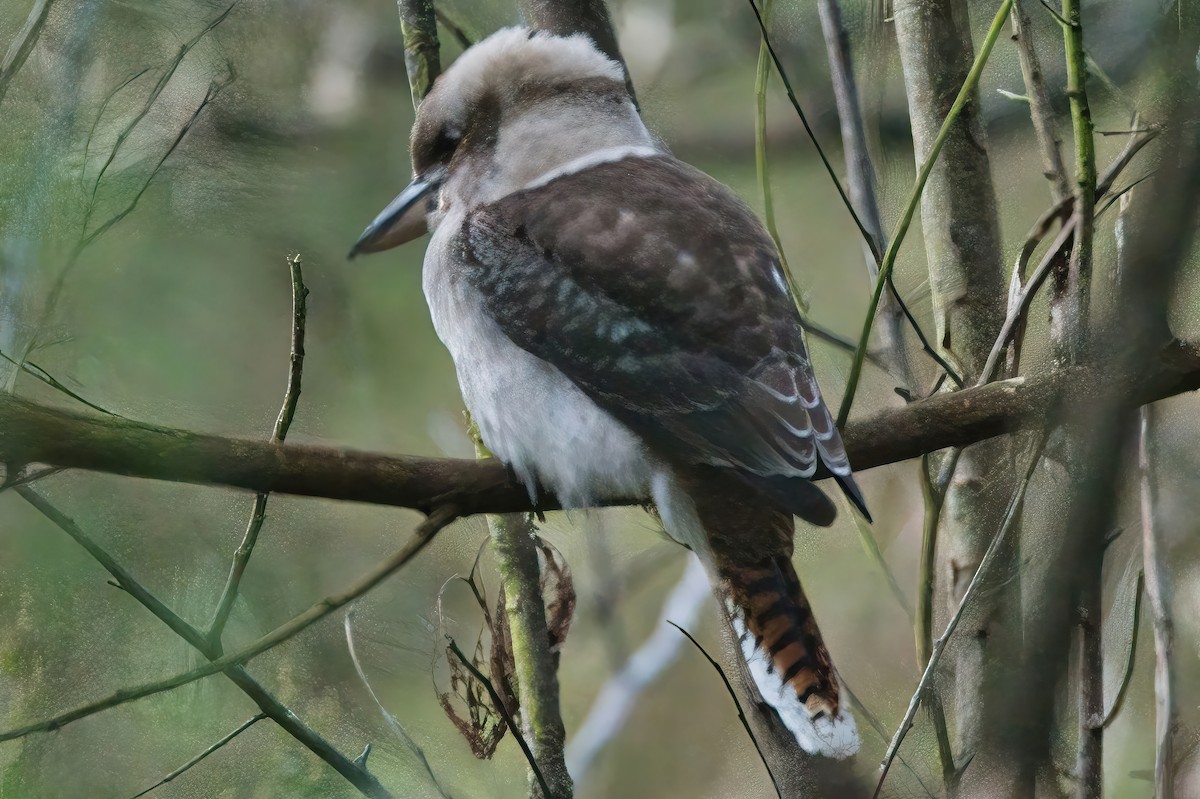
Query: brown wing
656	290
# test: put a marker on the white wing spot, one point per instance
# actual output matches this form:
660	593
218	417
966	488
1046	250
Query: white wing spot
780	283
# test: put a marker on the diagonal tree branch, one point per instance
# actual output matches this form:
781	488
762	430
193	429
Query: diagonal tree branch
23	45
271	707
284	632
211	749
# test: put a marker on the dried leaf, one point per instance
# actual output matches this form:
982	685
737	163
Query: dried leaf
482	726
558	592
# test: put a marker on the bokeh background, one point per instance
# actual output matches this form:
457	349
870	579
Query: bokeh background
180	315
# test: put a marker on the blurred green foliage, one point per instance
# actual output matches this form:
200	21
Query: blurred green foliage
179	315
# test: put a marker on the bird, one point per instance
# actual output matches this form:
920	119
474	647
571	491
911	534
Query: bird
621	326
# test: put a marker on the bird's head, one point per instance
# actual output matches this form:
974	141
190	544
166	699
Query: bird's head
510	110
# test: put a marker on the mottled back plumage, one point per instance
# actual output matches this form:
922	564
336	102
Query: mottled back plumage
653	288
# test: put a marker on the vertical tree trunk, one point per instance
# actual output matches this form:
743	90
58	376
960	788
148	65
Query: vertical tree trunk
962	242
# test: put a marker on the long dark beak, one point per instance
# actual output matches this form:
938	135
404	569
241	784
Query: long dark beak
402	221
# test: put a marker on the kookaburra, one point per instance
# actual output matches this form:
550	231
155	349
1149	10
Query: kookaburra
621	326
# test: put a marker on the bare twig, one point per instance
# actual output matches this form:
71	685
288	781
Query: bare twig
41	374
460	35
392	721
1024	291
88	238
787	85
26	476
508	719
23	44
871	548
438	519
860	175
1040	111
736	703
934	501
224	740
291	396
939	646
889	257
1159	591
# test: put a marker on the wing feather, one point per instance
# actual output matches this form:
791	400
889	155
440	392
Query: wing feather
656	290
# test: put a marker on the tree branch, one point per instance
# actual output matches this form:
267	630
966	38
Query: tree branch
590	17
422	57
291	396
32	433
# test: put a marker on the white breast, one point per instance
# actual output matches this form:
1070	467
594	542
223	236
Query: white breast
530	415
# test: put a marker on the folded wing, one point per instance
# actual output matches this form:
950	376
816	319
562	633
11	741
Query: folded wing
657	292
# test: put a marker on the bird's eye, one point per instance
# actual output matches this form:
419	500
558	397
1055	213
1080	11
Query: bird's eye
443	146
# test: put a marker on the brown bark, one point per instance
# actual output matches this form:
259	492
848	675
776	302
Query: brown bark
33	433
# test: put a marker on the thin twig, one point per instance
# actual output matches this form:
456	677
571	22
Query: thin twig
762	72
1023	294
41	374
23	44
393	722
1159	592
787	85
456	30
283	422
508	719
437	520
87	239
935	501
657	654
939	646
24	479
1041	113
733	695
226	739
1019	305
889	257
861	184
358	776
860	174
860	709
871	547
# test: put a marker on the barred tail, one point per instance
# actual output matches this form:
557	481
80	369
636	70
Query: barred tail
774	626
747	547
